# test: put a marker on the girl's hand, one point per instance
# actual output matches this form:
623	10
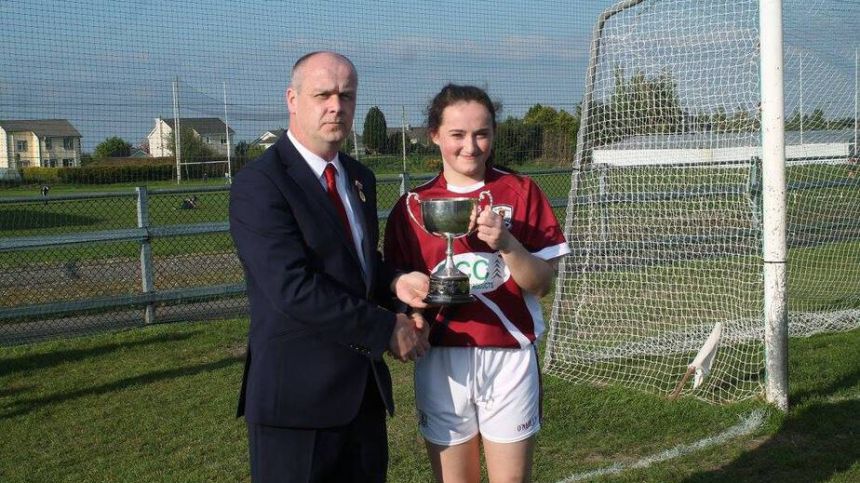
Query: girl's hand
492	231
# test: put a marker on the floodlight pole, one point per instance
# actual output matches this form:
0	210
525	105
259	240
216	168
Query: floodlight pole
856	153
227	130
801	100
403	134
774	202
355	141
177	138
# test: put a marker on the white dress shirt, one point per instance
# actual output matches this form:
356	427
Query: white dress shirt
317	165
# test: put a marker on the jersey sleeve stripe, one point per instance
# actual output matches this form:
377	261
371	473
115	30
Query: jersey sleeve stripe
554	251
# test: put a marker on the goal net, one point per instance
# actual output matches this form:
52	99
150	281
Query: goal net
664	213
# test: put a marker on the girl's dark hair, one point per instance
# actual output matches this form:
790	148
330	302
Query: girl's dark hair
452	94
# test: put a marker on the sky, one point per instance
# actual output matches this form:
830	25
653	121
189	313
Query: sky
109	66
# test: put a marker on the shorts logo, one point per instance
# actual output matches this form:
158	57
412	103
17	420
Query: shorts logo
527	425
486	271
506	212
422	419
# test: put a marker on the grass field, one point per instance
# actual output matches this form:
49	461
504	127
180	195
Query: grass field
157	404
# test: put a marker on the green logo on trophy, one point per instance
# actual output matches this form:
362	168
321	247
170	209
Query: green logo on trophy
448	218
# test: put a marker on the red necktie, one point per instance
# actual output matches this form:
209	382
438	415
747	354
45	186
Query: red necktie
330	174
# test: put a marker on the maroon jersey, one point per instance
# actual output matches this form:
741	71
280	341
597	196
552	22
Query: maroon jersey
503	314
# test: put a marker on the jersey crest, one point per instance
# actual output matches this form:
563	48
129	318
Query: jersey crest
506	212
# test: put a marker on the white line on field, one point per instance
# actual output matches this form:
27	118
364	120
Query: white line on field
745	427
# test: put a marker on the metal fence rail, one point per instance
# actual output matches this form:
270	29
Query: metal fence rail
80	263
86	262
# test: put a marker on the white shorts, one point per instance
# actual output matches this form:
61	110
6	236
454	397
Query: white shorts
461	391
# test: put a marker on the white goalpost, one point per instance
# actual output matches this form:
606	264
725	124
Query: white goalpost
206	104
773	203
703	230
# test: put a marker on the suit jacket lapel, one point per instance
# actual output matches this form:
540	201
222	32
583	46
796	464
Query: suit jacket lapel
298	169
360	207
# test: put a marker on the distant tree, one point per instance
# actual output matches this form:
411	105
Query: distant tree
811	122
112	147
816	120
375	135
516	142
348	145
86	159
543	116
742	121
192	148
241	148
394	144
254	152
841	123
558	131
719	120
639	105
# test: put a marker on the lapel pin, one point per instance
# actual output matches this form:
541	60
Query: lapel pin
359	187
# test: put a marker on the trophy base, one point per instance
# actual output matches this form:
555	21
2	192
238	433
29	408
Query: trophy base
437	300
449	291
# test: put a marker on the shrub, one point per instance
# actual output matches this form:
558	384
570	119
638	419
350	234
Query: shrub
38	175
433	165
115	174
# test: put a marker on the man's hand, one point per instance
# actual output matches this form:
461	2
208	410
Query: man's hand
407	341
411	288
421	325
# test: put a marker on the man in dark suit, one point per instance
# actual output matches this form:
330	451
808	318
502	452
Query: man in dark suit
303	218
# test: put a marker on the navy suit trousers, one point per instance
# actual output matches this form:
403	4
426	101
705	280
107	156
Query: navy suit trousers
356	452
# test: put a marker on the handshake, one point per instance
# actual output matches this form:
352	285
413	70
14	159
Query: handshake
409	341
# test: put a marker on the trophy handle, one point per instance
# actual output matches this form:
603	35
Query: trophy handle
488	195
409	196
481	196
479	208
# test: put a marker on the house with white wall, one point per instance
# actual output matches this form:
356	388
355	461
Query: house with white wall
268	138
211	130
46	143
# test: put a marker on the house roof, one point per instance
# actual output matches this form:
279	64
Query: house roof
416	132
267	136
276	133
42	127
203	125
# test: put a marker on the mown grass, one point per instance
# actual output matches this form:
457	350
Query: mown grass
157	404
71	188
54	217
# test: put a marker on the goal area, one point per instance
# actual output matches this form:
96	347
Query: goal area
664	216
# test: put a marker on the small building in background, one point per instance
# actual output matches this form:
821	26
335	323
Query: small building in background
46	143
268	138
414	134
211	130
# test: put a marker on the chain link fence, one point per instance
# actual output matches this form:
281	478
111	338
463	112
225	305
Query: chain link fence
81	263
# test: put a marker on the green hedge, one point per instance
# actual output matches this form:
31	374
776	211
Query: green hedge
115	174
37	175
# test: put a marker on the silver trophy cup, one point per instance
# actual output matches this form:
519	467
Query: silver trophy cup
448	218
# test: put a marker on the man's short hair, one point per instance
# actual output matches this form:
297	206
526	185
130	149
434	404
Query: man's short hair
303	59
